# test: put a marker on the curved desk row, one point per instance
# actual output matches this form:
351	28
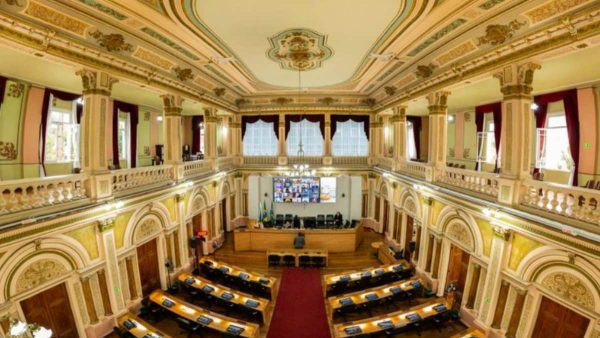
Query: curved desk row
332	240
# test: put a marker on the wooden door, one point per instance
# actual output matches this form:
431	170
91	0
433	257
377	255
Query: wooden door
408	236
377	209
457	268
557	321
386	215
148	264
51	309
197	223
224	219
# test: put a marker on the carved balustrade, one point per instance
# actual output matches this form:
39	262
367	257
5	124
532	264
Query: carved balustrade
476	181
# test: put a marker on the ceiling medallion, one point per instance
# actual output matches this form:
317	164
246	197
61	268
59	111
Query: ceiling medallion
299	49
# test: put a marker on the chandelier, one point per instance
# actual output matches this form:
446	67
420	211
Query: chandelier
301	168
19	329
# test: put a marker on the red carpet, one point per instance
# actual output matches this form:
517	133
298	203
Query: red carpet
300	308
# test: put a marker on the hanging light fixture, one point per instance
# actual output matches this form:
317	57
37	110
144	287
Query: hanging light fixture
19	329
301	168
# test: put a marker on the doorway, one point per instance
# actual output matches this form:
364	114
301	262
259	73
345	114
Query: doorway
457	269
148	265
386	215
557	321
223	214
51	309
408	236
377	211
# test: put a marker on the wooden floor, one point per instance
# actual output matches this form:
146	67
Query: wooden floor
363	257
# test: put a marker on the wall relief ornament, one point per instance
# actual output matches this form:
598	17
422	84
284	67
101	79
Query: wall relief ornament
38	273
220	91
498	34
425	71
569	287
282	100
112	42
147	228
96	81
241	102
460	233
369	102
15	90
8	150
183	74
328	100
390	90
299	49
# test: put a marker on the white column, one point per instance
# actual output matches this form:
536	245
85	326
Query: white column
172	128
498	259
438	128
399	123
113	279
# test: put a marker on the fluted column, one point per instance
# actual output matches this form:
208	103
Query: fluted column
182	238
517	126
430	248
113	280
438	128
283	160
327	159
424	257
235	129
498	258
172	129
399	123
515	314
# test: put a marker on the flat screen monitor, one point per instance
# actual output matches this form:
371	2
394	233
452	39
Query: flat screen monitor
328	189
296	189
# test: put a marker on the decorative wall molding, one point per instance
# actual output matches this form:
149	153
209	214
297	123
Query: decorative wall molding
38	273
569	287
299	49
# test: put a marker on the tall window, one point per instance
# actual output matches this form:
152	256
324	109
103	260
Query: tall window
554	152
260	139
411	147
312	139
350	139
62	134
201	138
123	138
486	143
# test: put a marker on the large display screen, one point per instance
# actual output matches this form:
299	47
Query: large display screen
296	189
328	189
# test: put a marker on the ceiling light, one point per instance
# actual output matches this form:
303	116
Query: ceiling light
534	106
159	118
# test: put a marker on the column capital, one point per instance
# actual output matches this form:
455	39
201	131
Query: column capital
96	82
210	114
106	224
438	102
501	232
516	79
399	113
172	104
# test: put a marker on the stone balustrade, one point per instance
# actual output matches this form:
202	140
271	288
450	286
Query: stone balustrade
193	169
351	161
260	160
128	180
571	202
415	169
28	194
313	160
476	181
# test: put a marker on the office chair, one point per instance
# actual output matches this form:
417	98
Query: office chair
289	260
305	261
279	220
120	333
274	260
289	218
329	220
187	325
320	221
318	261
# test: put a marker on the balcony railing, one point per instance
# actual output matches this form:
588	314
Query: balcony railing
314	160
28	194
572	202
351	161
415	169
195	168
260	160
476	181
141	178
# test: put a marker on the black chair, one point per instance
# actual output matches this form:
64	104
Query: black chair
279	220
187	325
329	220
289	260
320	221
318	261
274	260
289	218
305	261
121	333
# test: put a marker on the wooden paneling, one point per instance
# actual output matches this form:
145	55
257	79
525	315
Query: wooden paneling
148	265
557	321
386	215
51	309
457	267
408	236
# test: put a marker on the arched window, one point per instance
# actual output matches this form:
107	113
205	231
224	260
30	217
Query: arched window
350	139
260	139
312	139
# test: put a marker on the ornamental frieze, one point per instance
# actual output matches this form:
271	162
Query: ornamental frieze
498	34
39	273
569	287
112	42
8	150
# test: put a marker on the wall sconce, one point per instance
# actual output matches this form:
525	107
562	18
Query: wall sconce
450	118
159	118
534	106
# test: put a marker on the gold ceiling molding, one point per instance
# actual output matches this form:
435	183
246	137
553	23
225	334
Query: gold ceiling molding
183	74
499	34
551	9
112	42
425	71
220	91
456	52
56	19
153	58
282	101
299	49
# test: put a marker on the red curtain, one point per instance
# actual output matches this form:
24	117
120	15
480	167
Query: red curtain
496	110
133	111
265	118
310	118
417	123
44	121
569	98
196	121
2	86
344	118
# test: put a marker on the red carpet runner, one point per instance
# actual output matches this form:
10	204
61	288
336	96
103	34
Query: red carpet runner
300	307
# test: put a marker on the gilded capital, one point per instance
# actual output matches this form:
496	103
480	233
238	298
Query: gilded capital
172	104
96	82
180	197
399	114
438	102
210	114
516	79
501	232
106	224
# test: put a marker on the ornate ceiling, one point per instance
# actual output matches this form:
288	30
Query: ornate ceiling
244	55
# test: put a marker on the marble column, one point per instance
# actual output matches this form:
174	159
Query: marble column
210	133
436	257
515	312
283	155
235	128
398	121
424	257
89	300
172	128
438	128
498	258
473	288
327	158
430	248
113	280
500	305
183	238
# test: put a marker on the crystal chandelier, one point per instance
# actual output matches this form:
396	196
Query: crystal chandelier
19	329
301	169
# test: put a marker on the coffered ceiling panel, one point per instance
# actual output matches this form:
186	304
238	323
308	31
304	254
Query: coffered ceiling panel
349	28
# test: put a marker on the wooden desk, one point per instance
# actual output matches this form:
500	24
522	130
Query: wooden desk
239	298
356	275
269	282
299	252
369	325
472	332
141	329
385	255
191	312
383	291
332	240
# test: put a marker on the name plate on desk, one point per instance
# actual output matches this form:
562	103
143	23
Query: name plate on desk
168	303
204	320
353	330
385	324
235	330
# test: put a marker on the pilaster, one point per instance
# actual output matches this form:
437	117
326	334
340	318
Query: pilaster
109	249
327	158
172	128
438	128
210	133
283	160
398	121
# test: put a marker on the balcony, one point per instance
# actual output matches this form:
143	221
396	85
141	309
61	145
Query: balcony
474	181
133	180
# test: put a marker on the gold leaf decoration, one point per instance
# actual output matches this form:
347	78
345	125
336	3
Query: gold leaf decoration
112	42
183	74
219	91
425	71
281	100
328	100
8	150
498	34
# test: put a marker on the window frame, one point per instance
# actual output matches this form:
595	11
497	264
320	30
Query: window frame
357	130
75	135
262	135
